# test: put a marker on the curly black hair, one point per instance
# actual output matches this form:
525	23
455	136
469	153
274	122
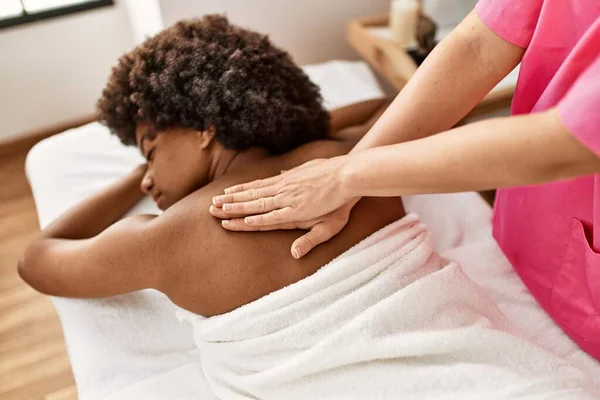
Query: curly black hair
207	72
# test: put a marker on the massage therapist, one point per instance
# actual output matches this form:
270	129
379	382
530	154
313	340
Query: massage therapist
544	157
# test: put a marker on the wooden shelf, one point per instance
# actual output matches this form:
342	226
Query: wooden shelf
371	38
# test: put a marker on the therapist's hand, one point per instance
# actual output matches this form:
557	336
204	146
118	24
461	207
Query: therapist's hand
308	197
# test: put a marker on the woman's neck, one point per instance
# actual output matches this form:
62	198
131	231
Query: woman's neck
226	160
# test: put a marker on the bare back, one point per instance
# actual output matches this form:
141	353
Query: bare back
214	271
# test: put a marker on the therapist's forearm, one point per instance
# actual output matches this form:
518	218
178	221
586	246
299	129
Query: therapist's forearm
454	78
495	153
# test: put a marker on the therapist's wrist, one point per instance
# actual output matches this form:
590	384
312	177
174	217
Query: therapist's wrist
347	178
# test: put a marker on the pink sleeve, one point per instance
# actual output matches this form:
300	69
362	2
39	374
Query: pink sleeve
512	20
579	110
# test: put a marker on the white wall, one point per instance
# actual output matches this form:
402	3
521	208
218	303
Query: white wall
145	18
54	70
311	30
448	13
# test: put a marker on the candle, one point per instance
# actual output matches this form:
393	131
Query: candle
404	17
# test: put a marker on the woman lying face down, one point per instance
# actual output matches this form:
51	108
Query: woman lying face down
209	105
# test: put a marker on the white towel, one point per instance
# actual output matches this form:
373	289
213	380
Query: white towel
388	319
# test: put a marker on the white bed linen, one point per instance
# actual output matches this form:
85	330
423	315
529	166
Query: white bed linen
113	343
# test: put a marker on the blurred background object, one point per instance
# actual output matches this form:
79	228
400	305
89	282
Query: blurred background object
403	20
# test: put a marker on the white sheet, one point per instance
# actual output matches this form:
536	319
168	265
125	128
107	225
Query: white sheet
461	224
116	342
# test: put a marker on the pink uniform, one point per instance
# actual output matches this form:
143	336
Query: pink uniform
551	232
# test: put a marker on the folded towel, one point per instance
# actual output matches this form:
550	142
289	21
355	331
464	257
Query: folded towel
387	319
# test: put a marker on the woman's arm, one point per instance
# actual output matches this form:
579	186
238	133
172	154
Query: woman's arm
93	215
352	122
87	253
353	114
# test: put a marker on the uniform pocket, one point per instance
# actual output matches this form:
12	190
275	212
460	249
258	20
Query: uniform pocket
576	292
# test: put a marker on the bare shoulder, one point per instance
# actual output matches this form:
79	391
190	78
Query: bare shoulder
312	151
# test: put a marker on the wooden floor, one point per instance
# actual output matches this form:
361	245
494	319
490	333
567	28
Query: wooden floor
33	359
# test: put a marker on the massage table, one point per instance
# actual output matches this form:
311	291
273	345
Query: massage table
115	342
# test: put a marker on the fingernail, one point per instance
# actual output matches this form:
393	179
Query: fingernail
227	207
226	191
216	201
248	220
211	208
225	222
296	253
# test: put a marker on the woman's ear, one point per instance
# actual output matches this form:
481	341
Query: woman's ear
207	136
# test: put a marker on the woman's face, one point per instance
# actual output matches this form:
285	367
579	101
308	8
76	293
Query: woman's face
178	162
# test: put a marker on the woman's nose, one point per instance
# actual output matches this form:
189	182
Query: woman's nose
147	183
